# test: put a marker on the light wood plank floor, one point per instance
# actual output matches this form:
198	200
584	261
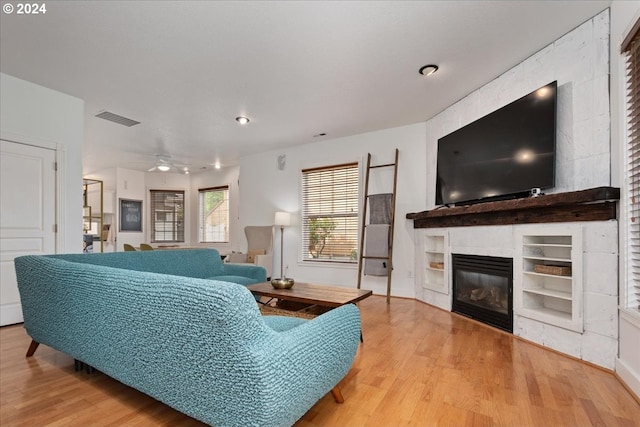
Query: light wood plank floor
418	366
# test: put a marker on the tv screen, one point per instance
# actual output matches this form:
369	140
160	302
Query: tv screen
505	154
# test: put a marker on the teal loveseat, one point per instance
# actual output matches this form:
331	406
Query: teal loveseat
199	345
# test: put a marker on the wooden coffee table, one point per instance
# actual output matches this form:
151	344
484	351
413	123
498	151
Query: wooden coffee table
309	293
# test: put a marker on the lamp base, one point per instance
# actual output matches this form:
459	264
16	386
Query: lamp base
285	283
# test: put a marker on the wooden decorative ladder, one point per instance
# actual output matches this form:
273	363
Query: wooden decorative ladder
389	257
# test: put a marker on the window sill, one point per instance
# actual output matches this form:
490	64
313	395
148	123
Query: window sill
329	264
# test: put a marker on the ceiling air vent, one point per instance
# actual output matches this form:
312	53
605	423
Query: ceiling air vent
116	118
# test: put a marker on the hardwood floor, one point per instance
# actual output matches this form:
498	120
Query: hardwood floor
418	366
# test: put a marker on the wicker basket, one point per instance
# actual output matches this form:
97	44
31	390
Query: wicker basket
437	265
555	270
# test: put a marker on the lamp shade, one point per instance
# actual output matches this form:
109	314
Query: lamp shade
283	219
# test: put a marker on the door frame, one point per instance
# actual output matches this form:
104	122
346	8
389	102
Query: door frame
60	190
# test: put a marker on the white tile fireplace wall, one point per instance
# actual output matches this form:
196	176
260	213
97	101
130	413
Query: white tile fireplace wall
595	277
579	61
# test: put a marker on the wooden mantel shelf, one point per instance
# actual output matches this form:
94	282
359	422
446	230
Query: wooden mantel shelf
595	204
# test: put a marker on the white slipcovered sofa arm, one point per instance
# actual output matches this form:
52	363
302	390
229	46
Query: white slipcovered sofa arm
265	261
236	258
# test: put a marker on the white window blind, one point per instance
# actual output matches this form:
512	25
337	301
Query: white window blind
213	214
631	50
167	216
330	213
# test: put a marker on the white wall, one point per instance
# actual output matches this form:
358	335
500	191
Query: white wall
264	190
44	116
107	176
623	15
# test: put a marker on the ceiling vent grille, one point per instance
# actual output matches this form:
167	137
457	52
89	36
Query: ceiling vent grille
107	115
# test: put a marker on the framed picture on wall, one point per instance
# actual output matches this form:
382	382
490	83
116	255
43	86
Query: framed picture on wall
130	215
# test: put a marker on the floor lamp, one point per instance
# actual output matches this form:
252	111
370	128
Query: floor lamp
283	219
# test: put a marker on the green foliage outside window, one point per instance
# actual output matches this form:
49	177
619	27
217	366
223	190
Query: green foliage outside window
212	199
320	230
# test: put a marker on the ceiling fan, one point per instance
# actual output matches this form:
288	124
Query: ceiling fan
164	164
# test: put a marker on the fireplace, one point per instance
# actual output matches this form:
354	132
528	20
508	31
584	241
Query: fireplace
483	289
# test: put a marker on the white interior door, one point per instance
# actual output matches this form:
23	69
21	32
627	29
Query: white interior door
27	215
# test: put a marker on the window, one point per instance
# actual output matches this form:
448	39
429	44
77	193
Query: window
631	51
330	202
213	214
167	216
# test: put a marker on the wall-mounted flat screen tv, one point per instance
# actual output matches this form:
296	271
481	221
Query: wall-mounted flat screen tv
502	155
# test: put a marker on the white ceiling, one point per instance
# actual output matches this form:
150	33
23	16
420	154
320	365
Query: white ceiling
186	69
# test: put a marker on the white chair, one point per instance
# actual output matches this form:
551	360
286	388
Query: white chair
259	248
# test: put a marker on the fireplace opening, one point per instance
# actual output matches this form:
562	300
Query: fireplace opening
483	289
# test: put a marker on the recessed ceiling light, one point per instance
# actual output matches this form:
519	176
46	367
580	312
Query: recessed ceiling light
427	70
320	134
217	165
242	120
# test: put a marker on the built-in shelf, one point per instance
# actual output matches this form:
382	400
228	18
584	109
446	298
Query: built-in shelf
555	276
547	259
545	296
436	252
550	293
552	316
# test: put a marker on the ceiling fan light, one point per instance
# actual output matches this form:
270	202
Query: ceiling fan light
163	168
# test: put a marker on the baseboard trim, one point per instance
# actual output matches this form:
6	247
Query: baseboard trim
10	314
628	378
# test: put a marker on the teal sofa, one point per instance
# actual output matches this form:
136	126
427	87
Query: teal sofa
159	323
196	263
